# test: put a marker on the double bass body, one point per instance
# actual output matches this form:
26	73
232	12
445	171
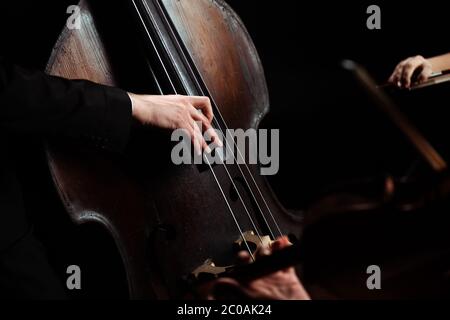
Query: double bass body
166	220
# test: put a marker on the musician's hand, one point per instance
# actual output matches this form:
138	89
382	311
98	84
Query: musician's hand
415	69
281	285
177	112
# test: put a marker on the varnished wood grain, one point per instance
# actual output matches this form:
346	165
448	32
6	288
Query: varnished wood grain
166	219
225	55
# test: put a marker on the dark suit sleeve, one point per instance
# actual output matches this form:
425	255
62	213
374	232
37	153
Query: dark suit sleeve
32	102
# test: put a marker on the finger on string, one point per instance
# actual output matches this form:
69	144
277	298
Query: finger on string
201	142
206	126
194	138
204	104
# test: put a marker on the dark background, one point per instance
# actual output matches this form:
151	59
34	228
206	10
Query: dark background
329	132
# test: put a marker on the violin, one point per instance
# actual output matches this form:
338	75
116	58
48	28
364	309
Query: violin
169	221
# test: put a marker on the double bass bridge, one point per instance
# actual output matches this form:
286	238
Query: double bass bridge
209	270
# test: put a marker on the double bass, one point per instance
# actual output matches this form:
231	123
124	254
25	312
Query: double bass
169	222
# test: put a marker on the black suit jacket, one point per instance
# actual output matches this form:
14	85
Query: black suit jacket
34	103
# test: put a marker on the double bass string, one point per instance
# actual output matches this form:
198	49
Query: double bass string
280	233
208	163
199	87
175	38
254	182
